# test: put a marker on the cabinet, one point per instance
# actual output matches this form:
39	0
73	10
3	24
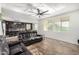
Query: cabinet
12	28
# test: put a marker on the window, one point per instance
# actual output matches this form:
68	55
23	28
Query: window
28	26
64	25
45	25
35	26
59	24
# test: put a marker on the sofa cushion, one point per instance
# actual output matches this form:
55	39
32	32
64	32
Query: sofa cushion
11	40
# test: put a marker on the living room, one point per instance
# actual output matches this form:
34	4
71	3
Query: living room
39	28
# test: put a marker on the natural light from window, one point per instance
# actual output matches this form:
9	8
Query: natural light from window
56	25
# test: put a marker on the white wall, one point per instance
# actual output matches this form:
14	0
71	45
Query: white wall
16	16
1	32
70	36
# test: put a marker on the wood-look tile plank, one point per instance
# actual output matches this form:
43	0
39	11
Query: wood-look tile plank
53	47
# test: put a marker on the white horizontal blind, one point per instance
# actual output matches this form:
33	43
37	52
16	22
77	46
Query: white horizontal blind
56	24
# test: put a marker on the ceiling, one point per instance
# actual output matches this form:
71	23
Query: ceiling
53	8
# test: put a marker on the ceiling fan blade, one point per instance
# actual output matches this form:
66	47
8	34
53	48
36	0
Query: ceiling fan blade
31	6
44	12
32	12
38	10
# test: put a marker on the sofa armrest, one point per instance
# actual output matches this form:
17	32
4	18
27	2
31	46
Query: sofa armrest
13	43
27	52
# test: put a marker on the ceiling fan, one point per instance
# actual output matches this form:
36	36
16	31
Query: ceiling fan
38	12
